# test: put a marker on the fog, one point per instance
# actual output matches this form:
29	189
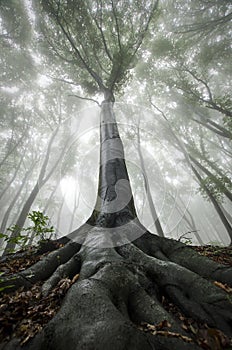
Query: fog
173	110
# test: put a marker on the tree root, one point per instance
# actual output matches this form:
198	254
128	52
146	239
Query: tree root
171	250
42	270
120	288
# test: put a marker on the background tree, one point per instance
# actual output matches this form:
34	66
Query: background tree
122	266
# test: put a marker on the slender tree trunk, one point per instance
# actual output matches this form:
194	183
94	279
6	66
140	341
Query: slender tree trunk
12	149
215	204
14	200
50	197
59	214
216	128
42	179
75	207
227	193
181	148
13	177
227	214
153	211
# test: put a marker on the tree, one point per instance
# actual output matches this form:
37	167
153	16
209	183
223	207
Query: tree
124	269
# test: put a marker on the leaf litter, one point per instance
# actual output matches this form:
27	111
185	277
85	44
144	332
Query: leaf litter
24	313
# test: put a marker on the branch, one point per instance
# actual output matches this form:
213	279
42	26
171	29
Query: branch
62	80
86	98
103	38
209	25
216	128
87	67
117	26
181	236
203	82
159	110
139	43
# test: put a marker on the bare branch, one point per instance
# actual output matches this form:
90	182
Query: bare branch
77	51
139	42
117	25
201	81
103	38
86	98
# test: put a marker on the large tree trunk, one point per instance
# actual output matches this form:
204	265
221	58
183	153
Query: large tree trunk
115	205
124	272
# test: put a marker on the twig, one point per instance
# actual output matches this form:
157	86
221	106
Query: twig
86	98
181	236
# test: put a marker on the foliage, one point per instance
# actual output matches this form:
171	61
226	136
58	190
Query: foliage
40	230
216	185
5	287
112	32
41	226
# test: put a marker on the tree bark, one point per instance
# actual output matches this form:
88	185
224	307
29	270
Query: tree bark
153	211
12	203
42	179
120	286
227	193
13	177
115	204
216	128
215	204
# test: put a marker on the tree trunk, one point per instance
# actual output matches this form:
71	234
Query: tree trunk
227	214
12	149
13	177
8	211
227	193
42	179
50	197
75	206
115	204
124	272
190	221
215	204
153	211
216	128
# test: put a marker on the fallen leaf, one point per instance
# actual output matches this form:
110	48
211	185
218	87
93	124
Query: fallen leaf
175	335
75	278
225	287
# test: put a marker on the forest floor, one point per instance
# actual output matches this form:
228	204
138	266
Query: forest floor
24	313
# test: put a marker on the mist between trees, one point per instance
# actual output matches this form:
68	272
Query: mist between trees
116	126
177	87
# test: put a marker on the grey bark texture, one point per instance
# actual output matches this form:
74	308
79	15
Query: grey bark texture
121	285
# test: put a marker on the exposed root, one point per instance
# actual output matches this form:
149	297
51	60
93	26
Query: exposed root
171	250
144	309
42	270
69	269
196	296
121	288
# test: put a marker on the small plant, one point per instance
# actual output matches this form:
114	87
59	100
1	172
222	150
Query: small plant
184	239
23	237
5	287
41	227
